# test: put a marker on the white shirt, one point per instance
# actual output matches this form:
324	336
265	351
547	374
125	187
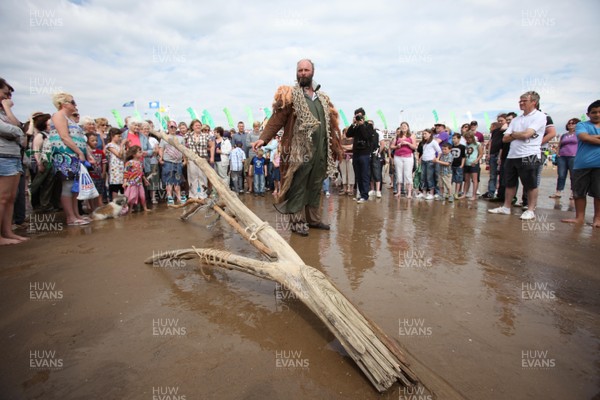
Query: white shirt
429	150
535	120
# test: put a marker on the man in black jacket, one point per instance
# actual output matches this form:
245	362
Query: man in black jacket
361	153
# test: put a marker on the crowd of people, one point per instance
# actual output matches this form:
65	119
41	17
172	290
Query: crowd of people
46	153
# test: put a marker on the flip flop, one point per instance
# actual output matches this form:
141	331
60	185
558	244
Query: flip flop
555	196
78	222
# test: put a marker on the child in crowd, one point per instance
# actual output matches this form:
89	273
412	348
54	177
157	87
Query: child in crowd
474	154
236	163
276	173
445	175
133	178
586	168
98	169
258	169
458	164
430	149
114	151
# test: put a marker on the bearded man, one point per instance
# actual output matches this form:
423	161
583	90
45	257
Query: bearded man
309	147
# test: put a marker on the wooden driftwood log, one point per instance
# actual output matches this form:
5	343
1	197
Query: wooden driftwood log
381	360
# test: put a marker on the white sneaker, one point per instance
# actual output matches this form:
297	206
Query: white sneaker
360	201
420	196
436	197
500	210
527	215
429	197
371	193
327	194
378	194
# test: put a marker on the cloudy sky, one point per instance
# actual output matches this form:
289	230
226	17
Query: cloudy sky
405	58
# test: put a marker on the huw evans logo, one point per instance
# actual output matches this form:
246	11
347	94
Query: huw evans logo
167	393
44	359
285	292
290	359
167	327
536	291
168	259
44	223
414	259
413	327
414	393
539	224
537	359
39	291
40	18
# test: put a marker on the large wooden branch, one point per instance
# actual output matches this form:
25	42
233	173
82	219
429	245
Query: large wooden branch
374	352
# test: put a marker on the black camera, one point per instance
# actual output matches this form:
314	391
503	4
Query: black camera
358	117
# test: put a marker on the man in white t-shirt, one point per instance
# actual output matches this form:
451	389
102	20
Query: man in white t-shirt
525	135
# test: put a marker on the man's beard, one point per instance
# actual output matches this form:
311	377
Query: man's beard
304	81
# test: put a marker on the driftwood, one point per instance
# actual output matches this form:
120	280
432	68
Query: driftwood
380	359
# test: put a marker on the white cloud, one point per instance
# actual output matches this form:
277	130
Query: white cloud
452	57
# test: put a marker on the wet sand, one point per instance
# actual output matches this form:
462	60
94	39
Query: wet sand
498	308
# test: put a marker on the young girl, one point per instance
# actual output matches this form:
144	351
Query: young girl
430	149
98	169
133	178
474	154
114	153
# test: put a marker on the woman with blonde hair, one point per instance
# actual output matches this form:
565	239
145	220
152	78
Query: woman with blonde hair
69	146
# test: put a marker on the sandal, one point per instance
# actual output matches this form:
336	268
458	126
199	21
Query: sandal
78	222
170	201
555	196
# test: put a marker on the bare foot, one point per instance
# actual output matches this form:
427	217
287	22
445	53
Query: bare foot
461	197
17	237
572	221
6	241
147	209
596	224
472	198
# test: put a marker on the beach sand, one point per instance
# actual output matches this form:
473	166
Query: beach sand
498	308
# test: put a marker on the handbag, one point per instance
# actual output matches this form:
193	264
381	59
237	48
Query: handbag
87	189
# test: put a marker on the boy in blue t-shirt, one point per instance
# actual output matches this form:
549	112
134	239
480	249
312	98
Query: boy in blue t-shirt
259	170
586	168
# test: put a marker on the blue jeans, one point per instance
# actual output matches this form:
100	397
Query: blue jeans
259	183
493	174
326	185
427	169
362	172
436	174
565	164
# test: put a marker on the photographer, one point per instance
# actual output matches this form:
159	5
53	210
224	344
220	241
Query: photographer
361	149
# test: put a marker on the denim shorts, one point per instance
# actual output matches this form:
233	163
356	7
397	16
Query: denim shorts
457	175
10	166
172	173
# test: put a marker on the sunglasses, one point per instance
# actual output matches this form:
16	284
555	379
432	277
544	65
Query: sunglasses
76	115
173	126
72	102
204	130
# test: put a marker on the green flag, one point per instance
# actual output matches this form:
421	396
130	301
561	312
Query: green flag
583	119
267	112
344	118
487	120
209	120
454	123
380	113
435	116
118	118
161	120
192	113
229	117
250	117
137	115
